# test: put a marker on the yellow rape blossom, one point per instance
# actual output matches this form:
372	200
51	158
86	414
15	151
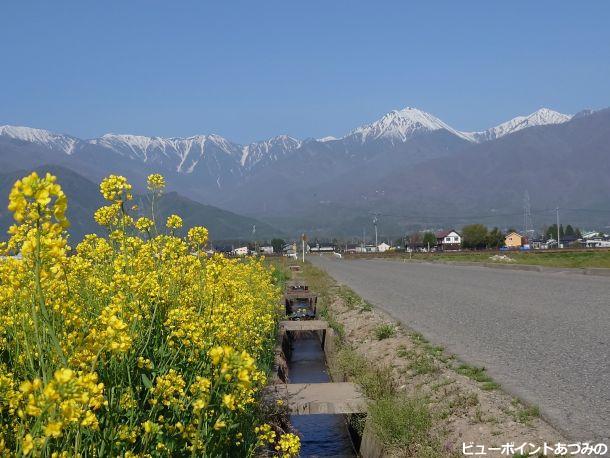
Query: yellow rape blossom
289	445
174	222
155	182
115	188
128	345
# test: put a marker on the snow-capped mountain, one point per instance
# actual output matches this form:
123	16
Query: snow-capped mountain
55	142
397	163
268	150
400	125
542	117
179	154
183	155
214	163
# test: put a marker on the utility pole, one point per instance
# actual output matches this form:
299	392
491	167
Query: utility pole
528	226
303	238
375	224
558	241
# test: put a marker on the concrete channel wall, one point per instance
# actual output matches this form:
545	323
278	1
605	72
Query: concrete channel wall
339	397
369	444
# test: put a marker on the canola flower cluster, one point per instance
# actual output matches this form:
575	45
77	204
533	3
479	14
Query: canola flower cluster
131	344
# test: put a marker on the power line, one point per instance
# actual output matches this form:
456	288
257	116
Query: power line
463	217
548	211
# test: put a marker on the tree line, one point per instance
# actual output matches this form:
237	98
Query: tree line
479	236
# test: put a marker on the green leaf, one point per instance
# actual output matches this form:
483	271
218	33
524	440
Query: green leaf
146	381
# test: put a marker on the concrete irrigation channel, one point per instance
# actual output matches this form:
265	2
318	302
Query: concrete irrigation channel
318	405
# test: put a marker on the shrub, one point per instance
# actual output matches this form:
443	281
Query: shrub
133	343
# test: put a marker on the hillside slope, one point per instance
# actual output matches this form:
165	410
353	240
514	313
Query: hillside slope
84	198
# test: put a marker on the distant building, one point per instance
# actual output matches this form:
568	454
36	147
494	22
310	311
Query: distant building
594	235
241	251
265	249
513	240
290	250
449	240
569	240
322	248
225	249
598	242
538	244
366	249
383	247
351	248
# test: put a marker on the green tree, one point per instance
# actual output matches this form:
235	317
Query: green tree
277	245
495	238
429	238
474	236
570	230
551	232
414	239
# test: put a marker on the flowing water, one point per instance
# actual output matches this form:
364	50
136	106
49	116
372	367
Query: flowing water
321	435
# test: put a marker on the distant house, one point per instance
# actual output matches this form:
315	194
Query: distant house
513	240
448	240
241	251
265	249
383	247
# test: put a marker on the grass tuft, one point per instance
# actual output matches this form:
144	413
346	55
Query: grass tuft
423	364
385	331
475	373
353	301
401	421
376	382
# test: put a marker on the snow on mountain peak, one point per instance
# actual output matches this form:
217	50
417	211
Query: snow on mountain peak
270	149
56	142
401	125
541	117
184	154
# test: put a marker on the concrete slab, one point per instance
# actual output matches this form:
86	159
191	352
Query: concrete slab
299	294
320	398
305	325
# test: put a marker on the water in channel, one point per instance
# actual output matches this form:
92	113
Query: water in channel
321	435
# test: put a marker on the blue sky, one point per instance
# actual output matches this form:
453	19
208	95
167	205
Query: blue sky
249	70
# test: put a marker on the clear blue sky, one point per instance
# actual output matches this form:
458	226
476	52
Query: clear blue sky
248	70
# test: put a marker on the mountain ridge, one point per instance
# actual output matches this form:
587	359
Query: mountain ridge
332	179
395	125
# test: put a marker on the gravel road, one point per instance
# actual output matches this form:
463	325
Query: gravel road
544	336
